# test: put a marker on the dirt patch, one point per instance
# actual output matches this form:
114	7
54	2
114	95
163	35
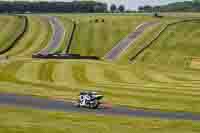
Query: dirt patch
194	63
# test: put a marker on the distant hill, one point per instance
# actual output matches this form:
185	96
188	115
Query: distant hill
186	6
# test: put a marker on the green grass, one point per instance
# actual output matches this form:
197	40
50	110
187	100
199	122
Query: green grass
12	27
64	79
160	78
164	64
157	79
182	14
31	121
35	38
178	43
145	39
97	38
139	43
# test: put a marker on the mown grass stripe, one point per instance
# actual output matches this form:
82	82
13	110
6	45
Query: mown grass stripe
12	41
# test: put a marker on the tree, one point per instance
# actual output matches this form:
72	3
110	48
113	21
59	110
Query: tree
196	1
113	8
141	8
148	8
121	8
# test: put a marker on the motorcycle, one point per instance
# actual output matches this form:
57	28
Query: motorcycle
89	100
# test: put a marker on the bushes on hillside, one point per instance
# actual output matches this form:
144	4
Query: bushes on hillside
97	20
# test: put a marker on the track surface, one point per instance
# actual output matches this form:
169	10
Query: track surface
47	104
127	41
58	34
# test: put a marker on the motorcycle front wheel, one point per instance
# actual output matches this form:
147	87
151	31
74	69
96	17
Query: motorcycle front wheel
94	105
77	104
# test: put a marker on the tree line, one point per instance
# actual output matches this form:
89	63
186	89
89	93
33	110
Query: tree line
114	8
42	6
186	6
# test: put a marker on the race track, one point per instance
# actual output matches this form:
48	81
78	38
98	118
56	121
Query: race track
54	105
58	34
125	43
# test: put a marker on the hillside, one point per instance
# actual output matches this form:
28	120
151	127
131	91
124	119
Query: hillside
185	6
96	35
163	71
163	77
12	29
35	38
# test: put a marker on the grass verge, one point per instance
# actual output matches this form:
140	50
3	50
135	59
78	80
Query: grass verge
28	120
11	31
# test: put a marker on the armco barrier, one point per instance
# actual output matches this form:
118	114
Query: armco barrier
18	37
158	35
64	56
71	38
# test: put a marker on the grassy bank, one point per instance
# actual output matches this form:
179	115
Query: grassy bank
27	120
12	27
96	35
35	38
65	79
145	39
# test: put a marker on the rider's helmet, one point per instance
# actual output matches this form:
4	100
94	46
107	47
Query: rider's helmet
83	93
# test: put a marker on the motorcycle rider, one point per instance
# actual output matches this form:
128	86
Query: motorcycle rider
84	99
89	99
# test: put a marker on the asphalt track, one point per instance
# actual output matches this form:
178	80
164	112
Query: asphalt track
125	43
54	105
58	34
